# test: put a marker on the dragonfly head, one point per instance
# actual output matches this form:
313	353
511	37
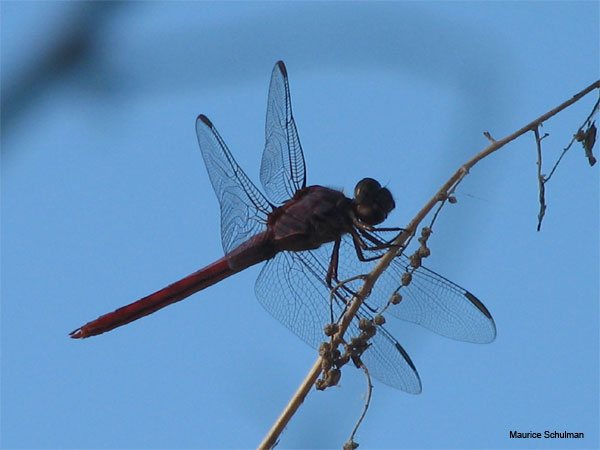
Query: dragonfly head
372	203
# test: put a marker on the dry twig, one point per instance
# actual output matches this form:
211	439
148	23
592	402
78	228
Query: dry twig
540	176
442	194
351	444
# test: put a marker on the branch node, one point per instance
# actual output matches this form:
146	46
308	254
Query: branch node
489	136
588	139
541	179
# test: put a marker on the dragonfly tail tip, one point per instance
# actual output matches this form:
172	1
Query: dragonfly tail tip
77	334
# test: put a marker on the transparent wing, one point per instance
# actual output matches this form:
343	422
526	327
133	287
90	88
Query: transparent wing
282	171
429	300
244	209
388	361
291	287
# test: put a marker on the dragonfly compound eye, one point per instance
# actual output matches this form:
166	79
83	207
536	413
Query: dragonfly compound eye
366	190
372	202
370	213
385	201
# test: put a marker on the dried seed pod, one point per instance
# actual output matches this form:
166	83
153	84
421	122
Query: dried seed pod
415	260
324	348
423	251
326	364
368	333
355	342
333	377
331	328
396	298
342	360
364	324
378	319
350	445
321	384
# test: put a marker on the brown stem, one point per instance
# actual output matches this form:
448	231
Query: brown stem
295	402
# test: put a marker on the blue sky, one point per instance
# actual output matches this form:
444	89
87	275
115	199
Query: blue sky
105	199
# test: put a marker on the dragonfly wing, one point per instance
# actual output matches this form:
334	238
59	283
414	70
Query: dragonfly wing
429	300
441	306
292	289
282	170
244	209
387	361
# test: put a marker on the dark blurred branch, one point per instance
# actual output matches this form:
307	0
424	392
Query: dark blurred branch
67	54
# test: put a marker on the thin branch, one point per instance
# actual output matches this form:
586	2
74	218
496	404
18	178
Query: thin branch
575	137
271	437
290	409
579	137
333	291
351	444
540	177
489	136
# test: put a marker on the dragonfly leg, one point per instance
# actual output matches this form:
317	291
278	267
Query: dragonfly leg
332	275
332	271
360	245
379	244
364	226
399	229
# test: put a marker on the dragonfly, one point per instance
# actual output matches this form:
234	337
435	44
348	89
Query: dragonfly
309	238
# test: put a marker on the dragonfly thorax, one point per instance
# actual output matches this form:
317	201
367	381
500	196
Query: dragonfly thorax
372	203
